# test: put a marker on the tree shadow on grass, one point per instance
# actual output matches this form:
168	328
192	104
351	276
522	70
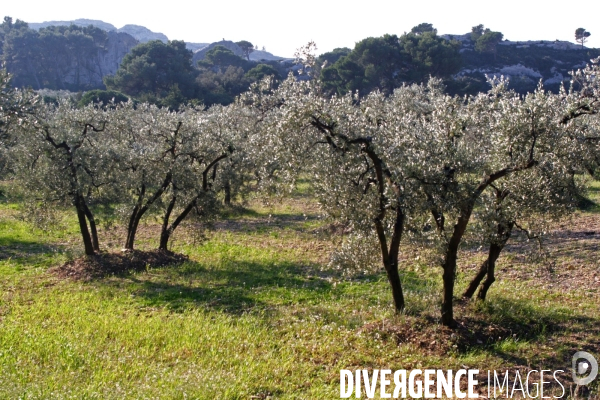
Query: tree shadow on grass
13	248
510	330
500	325
501	328
241	286
179	297
234	288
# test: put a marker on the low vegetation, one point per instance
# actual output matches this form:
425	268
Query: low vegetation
255	310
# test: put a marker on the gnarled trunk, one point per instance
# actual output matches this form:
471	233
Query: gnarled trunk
489	265
470	291
92	222
449	265
227	189
394	280
85	233
390	257
167	230
140	209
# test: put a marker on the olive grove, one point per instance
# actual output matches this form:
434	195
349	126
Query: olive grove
412	167
392	166
134	157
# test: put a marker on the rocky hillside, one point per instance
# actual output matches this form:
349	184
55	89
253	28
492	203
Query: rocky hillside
47	55
256	55
525	63
140	33
69	57
143	34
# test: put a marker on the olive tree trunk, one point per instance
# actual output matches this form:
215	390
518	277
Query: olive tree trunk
489	265
140	209
88	245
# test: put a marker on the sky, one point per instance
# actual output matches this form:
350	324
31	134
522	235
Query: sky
282	27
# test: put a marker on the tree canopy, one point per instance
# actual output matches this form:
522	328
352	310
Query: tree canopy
102	97
154	70
581	36
486	40
246	47
387	62
422	28
221	57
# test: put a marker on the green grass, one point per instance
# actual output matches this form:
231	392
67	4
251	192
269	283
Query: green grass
257	312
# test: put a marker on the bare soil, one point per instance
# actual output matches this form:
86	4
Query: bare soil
105	264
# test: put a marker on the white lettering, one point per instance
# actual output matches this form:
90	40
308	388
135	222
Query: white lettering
517	379
542	383
504	382
457	392
370	386
400	384
428	383
385	382
443	382
411	384
346	375
535	384
558	381
472	383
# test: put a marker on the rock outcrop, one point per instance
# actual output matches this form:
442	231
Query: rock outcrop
106	62
256	55
195	46
117	46
228	44
143	34
525	63
259	55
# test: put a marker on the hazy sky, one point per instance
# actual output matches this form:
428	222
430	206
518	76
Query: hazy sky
282	26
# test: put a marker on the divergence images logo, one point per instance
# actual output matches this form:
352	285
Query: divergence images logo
585	368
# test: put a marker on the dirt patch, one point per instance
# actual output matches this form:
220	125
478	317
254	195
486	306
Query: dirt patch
436	339
104	264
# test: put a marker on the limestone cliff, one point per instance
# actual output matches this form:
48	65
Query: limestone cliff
89	74
143	34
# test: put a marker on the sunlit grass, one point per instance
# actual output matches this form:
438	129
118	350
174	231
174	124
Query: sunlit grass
256	311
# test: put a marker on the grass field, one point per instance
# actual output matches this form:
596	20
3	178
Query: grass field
256	313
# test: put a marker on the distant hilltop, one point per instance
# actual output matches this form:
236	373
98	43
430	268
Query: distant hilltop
141	33
468	44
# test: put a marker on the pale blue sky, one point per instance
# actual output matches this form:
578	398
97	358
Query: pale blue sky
282	26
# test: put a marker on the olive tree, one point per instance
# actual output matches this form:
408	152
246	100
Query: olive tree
551	190
494	138
176	162
205	140
529	203
582	115
142	140
62	157
358	154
